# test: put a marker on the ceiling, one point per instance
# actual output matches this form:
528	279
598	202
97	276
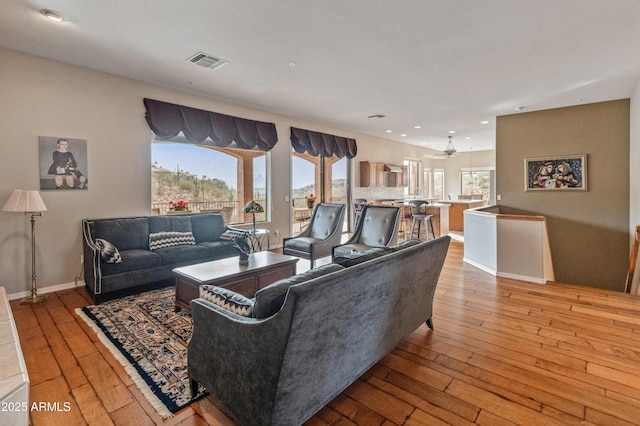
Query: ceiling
446	65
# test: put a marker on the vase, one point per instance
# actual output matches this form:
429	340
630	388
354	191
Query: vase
310	203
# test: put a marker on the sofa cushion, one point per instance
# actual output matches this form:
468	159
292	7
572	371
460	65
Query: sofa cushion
270	299
207	226
170	239
177	254
108	252
220	249
302	243
132	260
169	224
227	299
348	260
126	234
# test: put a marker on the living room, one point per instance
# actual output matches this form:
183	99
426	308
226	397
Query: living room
44	97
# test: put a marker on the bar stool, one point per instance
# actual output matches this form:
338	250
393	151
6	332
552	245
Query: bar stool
419	214
358	206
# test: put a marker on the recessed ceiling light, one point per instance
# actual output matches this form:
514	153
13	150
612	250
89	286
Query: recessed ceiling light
452	131
403	135
291	64
468	137
389	131
417	126
484	122
53	15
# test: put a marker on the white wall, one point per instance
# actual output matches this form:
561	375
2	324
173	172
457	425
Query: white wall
39	97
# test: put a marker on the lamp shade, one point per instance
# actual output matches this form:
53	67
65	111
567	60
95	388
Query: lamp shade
253	207
24	201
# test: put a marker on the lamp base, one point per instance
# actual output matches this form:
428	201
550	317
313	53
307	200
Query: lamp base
34	298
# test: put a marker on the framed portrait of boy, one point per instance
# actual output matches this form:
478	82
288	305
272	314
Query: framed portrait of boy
557	173
63	163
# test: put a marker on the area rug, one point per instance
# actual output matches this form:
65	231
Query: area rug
150	340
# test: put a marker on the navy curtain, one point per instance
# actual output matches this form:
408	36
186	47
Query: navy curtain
316	143
168	120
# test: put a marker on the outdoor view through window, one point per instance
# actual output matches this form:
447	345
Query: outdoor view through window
206	178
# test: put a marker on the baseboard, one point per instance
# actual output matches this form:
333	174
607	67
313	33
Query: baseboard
481	267
44	290
534	280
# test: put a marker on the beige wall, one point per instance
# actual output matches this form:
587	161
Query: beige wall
588	230
39	97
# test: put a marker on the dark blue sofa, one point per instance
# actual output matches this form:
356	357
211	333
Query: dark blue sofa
119	259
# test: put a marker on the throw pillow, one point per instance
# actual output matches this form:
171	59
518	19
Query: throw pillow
160	240
270	299
227	299
230	235
108	252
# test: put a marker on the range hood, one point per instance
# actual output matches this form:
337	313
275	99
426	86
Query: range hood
393	169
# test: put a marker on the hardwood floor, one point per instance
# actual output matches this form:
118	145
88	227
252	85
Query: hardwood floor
502	352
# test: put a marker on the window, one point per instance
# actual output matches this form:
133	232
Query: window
208	178
427	187
413	169
476	182
438	184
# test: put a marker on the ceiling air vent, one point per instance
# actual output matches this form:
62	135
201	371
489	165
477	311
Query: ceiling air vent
207	61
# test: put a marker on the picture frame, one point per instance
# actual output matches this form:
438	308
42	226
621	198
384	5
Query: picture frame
63	163
556	173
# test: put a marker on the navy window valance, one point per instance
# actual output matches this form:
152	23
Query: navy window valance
316	143
168	120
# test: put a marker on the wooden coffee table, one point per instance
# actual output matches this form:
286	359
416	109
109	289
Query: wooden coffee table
264	268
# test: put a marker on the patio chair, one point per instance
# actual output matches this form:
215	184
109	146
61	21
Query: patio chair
378	227
322	233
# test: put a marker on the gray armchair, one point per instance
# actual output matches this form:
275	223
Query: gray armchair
378	227
324	232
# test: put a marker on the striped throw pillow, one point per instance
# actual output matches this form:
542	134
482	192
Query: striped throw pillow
160	240
227	299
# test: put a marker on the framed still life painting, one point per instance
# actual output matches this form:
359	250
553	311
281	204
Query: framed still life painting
558	173
63	163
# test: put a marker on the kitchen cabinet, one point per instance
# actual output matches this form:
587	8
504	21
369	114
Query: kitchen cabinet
371	174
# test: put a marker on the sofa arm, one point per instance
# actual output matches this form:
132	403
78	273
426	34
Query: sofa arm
92	260
237	359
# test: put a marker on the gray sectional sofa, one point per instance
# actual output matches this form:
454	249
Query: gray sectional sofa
300	342
127	255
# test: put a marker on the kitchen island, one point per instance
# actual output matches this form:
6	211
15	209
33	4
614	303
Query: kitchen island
456	212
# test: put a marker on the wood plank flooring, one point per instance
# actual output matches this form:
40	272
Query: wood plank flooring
503	352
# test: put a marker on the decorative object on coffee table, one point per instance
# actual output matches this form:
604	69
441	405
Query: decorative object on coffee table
253	208
240	242
28	202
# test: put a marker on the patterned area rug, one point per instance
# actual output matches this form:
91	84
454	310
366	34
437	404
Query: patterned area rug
150	340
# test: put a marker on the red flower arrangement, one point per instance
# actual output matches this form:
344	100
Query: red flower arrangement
179	206
311	199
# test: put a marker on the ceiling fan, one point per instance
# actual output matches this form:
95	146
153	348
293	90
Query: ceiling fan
449	152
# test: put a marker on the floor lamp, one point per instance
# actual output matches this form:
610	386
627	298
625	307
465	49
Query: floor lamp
28	202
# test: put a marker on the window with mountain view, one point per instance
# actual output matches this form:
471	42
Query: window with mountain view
187	177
